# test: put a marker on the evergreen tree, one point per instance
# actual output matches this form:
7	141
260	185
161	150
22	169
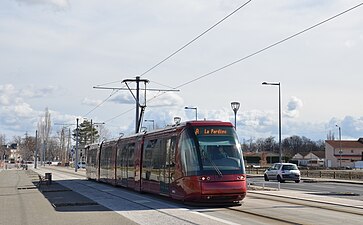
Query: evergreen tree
87	133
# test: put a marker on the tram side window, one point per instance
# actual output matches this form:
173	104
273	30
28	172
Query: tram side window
189	155
119	155
104	158
147	158
91	156
170	152
131	160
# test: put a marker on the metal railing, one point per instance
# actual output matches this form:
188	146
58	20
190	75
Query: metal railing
328	174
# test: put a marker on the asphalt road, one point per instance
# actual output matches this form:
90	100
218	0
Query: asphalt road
339	190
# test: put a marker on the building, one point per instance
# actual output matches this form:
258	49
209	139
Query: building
315	159
343	153
312	159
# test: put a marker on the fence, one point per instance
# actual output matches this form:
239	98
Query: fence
333	174
329	174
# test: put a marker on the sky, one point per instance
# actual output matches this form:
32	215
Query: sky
64	55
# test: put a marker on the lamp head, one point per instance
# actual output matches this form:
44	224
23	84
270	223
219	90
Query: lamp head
235	106
177	120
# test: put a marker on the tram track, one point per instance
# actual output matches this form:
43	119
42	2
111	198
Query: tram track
255	217
338	207
252	213
295	202
270	219
264	218
129	197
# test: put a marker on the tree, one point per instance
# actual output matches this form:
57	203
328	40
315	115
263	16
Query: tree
86	133
3	146
330	135
27	147
44	129
64	145
103	132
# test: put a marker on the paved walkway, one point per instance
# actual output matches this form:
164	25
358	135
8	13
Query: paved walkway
23	203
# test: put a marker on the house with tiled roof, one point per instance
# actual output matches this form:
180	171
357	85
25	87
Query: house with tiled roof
343	153
312	159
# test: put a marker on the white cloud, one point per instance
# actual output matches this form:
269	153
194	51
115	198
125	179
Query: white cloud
54	4
350	43
351	127
123	98
83	47
16	113
23	110
91	102
31	91
7	92
166	100
293	107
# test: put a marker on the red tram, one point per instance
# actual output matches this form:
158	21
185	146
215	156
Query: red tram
197	161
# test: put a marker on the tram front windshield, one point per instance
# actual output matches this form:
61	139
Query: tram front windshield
220	150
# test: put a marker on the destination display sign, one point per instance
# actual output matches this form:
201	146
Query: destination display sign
212	131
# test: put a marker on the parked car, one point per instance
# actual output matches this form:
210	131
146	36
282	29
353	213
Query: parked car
81	165
282	172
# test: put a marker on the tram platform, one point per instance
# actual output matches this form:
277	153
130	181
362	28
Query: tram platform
24	202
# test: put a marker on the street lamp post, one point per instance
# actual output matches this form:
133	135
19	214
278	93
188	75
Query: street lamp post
340	146
152	122
278	84
77	136
235	106
196	111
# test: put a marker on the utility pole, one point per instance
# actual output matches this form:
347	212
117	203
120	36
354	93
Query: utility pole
137	98
69	145
138	114
36	150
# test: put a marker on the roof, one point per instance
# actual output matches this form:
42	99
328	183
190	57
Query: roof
319	154
344	143
298	156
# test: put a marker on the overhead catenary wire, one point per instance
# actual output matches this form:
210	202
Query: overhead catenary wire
187	44
255	53
101	103
196	38
174	53
269	46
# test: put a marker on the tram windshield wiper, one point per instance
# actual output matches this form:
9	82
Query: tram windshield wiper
215	167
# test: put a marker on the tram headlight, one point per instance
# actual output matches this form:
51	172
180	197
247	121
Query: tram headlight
203	178
242	177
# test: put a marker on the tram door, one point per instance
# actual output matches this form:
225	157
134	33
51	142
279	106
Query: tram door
168	167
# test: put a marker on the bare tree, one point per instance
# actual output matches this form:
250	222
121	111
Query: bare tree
330	135
54	151
3	146
26	147
103	132
44	129
64	144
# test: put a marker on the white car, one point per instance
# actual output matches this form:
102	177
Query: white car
282	172
81	165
